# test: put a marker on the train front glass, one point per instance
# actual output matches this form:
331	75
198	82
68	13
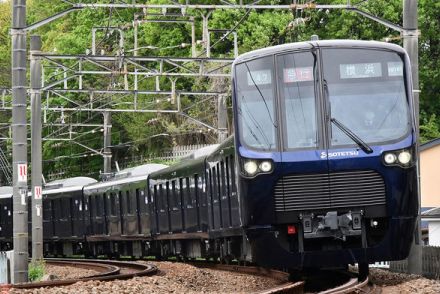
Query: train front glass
363	89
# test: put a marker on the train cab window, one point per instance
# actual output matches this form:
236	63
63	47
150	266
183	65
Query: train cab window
296	86
228	175
256	103
367	94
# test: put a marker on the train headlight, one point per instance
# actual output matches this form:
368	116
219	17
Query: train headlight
404	157
390	158
265	166
250	167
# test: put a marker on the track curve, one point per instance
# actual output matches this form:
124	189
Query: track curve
109	270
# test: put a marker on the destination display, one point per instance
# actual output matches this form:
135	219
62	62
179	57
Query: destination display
298	74
259	77
395	69
360	70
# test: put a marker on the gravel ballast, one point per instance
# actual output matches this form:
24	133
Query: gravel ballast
172	278
395	283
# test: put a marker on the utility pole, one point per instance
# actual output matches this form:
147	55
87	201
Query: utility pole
411	45
36	152
107	153
19	143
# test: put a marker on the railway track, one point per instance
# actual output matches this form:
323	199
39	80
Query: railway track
116	270
108	270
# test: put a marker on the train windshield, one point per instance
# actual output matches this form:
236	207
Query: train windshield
367	94
297	85
256	103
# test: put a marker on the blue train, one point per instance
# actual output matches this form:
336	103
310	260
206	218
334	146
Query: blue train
321	172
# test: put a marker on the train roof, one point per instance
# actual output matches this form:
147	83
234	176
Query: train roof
128	175
201	152
310	44
6	192
67	185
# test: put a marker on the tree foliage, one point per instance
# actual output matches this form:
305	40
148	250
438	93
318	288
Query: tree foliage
136	134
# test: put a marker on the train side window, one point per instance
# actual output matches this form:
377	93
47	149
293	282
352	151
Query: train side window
128	202
175	202
189	191
138	204
47	210
214	192
161	198
154	200
228	175
99	205
232	174
113	204
222	179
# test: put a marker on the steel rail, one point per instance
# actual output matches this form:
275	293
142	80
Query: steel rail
112	272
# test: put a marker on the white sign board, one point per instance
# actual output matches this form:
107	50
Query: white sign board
37	192
22	172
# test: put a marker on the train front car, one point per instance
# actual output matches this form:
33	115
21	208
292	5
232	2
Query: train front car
326	152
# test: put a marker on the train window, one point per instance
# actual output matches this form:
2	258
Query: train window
190	190
181	192
228	175
222	179
174	195
47	210
160	199
232	174
128	202
298	100
370	84
99	205
154	199
255	99
138	202
218	182
214	192
113	204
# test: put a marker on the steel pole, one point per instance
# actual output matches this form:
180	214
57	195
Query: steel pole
107	153
36	152
19	143
222	116
411	45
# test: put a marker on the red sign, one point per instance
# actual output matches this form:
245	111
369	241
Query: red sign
298	74
22	172
37	192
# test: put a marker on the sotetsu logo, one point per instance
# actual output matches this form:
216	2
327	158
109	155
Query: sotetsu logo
325	155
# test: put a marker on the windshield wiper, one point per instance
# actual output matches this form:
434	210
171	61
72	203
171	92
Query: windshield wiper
364	146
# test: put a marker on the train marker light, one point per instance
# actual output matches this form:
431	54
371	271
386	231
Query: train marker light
251	167
404	157
291	230
266	166
390	158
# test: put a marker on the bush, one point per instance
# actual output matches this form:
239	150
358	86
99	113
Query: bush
36	270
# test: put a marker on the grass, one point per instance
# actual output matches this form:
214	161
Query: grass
36	270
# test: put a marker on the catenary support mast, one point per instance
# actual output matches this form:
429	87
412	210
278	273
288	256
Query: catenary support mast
411	45
36	152
19	143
